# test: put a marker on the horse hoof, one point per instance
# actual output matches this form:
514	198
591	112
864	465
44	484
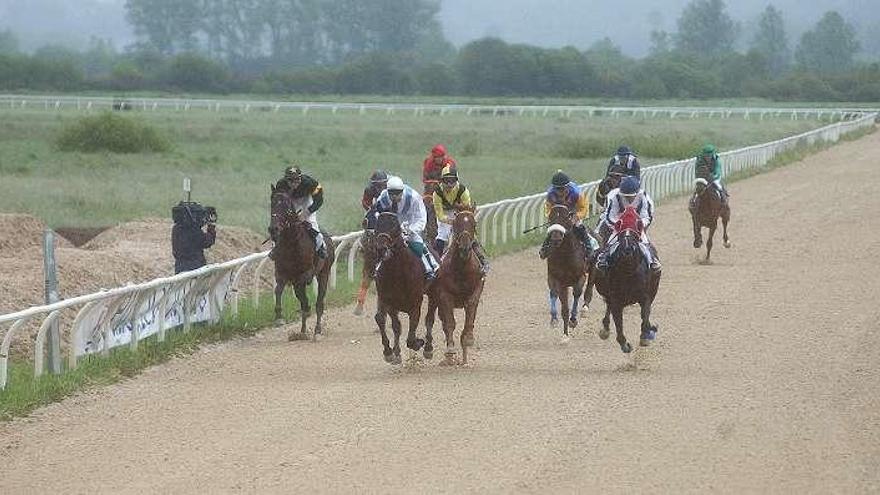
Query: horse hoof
604	333
396	359
626	348
573	323
298	336
279	322
359	310
415	345
389	358
648	337
727	244
317	337
554	322
448	359
428	354
698	243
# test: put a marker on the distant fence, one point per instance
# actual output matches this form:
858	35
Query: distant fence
125	315
247	106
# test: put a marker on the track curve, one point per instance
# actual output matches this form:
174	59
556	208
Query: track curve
763	378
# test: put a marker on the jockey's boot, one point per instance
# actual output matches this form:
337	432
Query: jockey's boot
481	256
272	252
602	261
430	267
439	246
320	246
656	267
545	248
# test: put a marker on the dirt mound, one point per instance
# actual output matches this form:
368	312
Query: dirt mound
132	252
20	232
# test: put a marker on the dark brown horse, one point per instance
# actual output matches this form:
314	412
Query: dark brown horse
296	262
628	280
400	285
566	267
705	209
459	284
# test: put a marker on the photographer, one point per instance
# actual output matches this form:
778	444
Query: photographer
188	240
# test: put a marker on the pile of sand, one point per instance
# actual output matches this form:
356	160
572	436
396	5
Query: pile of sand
132	252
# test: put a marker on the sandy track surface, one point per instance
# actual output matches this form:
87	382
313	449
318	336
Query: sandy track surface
765	377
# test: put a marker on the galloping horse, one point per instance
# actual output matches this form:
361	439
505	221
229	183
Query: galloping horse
370	259
705	211
566	266
459	284
628	280
296	262
607	185
400	285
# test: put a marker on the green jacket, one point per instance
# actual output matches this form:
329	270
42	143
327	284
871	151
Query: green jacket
708	171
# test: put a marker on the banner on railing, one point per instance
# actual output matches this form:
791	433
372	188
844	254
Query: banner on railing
90	333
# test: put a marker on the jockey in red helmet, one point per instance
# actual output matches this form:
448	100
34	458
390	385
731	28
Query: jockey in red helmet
433	166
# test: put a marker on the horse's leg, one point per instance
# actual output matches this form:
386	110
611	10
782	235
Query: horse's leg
362	291
648	330
300	290
467	335
577	290
606	323
381	319
563	306
447	317
588	291
279	291
617	314
395	325
698	235
725	218
553	297
323	281
430	318
412	341
709	242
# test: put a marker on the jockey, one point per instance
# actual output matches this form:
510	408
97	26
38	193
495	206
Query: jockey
377	184
708	167
433	167
410	209
308	196
624	162
563	191
451	197
627	195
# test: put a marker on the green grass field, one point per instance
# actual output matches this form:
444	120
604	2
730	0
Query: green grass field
233	157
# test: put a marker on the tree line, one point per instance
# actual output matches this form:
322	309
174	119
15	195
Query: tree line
397	47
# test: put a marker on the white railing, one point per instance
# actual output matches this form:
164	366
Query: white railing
246	106
128	314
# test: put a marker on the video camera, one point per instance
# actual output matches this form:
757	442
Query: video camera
192	213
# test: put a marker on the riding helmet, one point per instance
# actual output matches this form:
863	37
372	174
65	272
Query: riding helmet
624	150
379	176
709	149
449	172
292	172
560	179
395	183
438	150
629	186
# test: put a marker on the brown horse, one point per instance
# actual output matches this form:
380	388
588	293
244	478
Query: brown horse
609	183
400	286
628	280
459	284
431	226
296	262
566	266
706	207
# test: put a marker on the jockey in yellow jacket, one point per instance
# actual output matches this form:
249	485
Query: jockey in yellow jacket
450	198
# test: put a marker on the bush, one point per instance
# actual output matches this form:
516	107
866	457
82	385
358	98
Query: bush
110	132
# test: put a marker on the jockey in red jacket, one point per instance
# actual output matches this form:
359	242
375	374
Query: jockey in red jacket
432	167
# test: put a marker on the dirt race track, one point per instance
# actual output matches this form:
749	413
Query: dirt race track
765	377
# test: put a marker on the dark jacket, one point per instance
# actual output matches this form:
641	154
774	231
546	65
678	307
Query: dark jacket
307	187
624	164
188	243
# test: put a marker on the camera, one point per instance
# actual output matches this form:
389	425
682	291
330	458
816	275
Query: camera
192	213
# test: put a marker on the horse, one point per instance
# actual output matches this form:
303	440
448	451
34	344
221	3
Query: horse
296	262
705	210
370	259
607	185
566	266
400	286
628	280
459	284
431	225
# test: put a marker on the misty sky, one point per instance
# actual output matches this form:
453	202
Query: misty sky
548	23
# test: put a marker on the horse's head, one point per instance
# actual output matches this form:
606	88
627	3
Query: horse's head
283	214
464	231
560	220
612	181
700	186
629	251
388	233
